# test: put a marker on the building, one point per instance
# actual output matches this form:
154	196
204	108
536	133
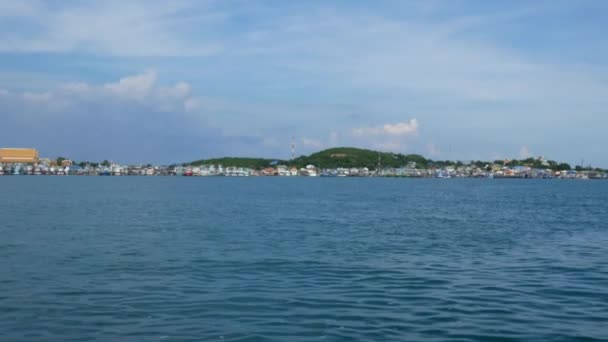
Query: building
18	155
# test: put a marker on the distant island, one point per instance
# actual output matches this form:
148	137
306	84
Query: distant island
339	161
349	157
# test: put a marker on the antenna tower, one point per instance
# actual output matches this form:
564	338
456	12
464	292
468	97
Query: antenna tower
293	147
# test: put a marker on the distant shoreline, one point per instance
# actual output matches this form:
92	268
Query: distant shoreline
275	176
333	162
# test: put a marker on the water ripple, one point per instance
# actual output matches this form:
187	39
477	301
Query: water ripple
376	260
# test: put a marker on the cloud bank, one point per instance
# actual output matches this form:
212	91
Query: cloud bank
399	129
135	119
118	28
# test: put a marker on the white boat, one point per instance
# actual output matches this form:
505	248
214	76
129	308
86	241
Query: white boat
311	171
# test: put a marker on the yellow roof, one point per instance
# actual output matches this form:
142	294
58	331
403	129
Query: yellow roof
18	155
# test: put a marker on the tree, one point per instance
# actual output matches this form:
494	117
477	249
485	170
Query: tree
60	160
105	163
480	164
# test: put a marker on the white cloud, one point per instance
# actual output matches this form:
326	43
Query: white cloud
180	90
388	137
134	90
407	128
402	128
131	28
113	120
445	59
137	86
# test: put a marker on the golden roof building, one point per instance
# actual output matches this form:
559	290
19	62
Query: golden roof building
18	155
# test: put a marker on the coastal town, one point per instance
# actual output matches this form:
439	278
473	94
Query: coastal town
27	162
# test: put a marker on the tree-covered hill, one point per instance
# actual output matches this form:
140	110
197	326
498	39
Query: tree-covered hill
348	157
331	158
356	157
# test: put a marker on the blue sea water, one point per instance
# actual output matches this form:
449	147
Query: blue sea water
302	259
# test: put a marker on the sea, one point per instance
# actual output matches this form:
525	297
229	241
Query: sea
302	259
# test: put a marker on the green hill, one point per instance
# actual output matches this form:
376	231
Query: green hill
356	157
331	158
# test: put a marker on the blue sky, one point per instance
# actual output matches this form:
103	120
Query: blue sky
168	81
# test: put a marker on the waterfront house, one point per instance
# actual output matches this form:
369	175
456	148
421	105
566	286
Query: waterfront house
269	171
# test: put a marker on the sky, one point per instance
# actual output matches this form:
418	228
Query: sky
173	81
